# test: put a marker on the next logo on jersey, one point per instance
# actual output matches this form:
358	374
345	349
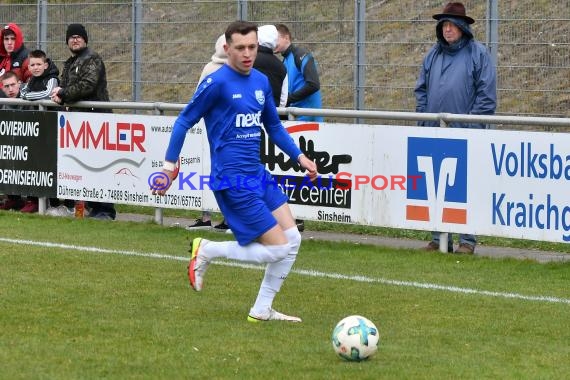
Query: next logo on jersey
441	165
244	120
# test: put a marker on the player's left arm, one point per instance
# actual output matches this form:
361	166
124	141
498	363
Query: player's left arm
283	140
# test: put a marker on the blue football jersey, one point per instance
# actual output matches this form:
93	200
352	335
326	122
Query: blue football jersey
235	108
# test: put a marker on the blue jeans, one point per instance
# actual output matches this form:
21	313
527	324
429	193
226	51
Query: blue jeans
463	238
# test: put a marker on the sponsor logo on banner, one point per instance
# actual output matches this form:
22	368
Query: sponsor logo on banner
441	168
326	191
104	136
100	157
543	208
120	136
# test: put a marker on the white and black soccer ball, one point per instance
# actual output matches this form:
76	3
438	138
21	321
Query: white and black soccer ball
355	338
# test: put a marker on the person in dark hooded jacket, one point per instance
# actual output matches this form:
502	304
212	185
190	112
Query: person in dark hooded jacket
457	76
44	77
13	53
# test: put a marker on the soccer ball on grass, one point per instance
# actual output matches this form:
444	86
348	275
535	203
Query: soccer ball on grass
355	338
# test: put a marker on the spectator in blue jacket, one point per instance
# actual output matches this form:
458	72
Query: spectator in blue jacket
457	76
302	73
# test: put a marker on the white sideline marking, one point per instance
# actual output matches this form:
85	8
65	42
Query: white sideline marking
303	272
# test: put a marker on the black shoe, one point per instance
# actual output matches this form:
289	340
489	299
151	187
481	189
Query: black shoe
222	226
300	224
199	224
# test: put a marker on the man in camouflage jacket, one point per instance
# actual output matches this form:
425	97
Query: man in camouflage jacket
84	78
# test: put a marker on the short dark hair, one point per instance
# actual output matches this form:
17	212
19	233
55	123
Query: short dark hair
283	29
9	74
241	27
38	54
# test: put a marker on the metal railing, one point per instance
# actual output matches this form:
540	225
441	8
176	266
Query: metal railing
443	118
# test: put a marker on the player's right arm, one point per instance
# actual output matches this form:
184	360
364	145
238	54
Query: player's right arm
283	140
161	184
204	98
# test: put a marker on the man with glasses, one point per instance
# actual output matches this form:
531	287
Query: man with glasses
83	78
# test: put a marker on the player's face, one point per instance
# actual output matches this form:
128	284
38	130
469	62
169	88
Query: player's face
451	32
242	51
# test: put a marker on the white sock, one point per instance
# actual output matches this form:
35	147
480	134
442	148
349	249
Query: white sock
276	273
253	252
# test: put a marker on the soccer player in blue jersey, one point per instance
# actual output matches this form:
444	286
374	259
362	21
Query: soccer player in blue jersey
236	102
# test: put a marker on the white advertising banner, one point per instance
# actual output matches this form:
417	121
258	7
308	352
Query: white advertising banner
519	184
486	182
111	158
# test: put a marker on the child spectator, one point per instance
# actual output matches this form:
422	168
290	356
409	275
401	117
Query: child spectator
43	81
44	77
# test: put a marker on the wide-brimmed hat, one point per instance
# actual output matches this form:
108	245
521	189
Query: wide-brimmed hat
454	10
